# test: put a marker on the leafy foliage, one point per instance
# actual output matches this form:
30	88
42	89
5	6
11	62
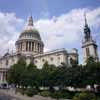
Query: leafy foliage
51	76
85	96
31	92
15	72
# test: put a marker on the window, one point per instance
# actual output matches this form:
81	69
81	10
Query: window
58	58
87	52
51	58
13	60
95	51
36	61
43	60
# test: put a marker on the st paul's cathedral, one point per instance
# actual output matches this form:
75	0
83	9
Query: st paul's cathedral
30	46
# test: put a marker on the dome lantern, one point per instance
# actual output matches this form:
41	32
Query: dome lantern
30	21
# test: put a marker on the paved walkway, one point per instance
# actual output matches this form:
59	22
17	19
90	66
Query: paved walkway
7	97
21	97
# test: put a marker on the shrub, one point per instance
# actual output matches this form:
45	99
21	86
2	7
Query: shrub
21	90
85	96
68	94
59	94
56	95
31	92
45	93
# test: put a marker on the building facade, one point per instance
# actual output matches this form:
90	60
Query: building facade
30	46
89	45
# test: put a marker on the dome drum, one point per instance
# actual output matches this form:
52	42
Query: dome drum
30	34
29	46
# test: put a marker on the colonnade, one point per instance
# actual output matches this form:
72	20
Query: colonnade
31	46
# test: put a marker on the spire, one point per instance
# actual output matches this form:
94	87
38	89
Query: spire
30	21
87	30
86	24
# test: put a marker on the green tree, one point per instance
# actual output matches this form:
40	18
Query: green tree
48	75
29	76
15	72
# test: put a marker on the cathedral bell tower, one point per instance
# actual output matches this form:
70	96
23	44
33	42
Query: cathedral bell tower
89	46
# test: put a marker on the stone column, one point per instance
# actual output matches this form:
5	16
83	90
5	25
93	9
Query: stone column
31	46
34	46
5	76
27	46
21	46
1	76
24	46
41	48
38	47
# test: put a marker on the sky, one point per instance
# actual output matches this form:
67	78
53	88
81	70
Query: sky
60	22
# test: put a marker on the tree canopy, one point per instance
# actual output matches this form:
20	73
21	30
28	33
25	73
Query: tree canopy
51	75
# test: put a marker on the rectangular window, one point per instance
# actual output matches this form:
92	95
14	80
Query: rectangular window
87	52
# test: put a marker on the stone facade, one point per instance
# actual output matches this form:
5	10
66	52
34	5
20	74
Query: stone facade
30	46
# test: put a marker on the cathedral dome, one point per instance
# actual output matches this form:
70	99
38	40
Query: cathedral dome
29	41
30	34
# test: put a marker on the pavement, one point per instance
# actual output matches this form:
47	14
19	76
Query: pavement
10	95
7	97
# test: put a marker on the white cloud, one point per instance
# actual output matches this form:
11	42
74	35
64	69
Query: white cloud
9	27
67	30
64	31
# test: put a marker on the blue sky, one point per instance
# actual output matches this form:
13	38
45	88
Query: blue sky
60	22
55	7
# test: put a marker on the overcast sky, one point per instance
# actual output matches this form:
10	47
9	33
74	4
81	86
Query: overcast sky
60	22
